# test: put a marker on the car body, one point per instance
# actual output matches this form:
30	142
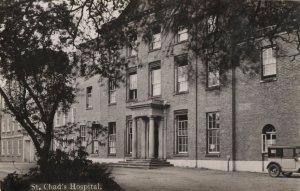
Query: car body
283	159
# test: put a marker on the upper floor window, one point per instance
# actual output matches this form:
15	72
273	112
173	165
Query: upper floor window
155	75
132	85
268	62
182	34
211	24
89	97
133	46
156	38
181	74
181	122
112	91
112	138
213	75
213	132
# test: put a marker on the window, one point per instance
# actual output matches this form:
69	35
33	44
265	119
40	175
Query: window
132	86
95	134
82	132
213	132
268	137
8	124
12	147
132	48
268	62
8	147
13	124
211	24
111	91
156	38
213	75
155	75
112	138
57	118
129	136
19	146
3	125
181	133
89	97
73	115
182	34
181	74
19	126
66	118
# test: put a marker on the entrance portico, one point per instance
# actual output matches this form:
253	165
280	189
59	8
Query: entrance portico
149	129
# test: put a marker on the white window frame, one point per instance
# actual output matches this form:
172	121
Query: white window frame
83	133
213	132
182	32
95	144
213	75
73	114
112	93
155	83
19	146
181	134
181	80
132	86
2	147
112	138
269	60
156	39
89	94
266	142
7	147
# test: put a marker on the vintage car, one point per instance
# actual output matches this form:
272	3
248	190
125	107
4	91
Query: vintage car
283	159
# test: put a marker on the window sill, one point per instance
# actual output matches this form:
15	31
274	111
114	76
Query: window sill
128	155
213	88
89	108
268	79
153	50
111	104
112	155
213	155
180	93
181	155
154	97
132	100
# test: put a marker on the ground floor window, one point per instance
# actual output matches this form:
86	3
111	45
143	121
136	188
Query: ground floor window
181	122
19	146
95	134
213	132
112	138
268	137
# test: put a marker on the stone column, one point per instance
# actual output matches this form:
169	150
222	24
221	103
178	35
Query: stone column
134	141
160	139
143	138
151	137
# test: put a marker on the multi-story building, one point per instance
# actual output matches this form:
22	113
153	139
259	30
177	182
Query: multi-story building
162	112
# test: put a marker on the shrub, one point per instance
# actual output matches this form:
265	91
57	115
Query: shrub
63	168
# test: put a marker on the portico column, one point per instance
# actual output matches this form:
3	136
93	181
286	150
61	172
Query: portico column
151	137
160	141
143	138
134	145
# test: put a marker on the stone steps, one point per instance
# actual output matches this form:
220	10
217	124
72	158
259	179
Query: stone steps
142	163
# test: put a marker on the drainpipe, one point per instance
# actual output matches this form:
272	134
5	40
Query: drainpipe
233	112
196	100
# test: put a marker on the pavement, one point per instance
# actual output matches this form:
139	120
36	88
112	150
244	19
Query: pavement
184	179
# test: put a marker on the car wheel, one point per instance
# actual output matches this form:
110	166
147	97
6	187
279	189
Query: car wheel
274	170
287	174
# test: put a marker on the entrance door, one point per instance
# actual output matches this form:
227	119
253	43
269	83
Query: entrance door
27	151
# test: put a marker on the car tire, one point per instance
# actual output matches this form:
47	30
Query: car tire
287	174
274	170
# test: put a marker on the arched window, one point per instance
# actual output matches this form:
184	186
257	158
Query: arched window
268	137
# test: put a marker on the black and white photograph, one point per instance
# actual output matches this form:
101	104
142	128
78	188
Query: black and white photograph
149	95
